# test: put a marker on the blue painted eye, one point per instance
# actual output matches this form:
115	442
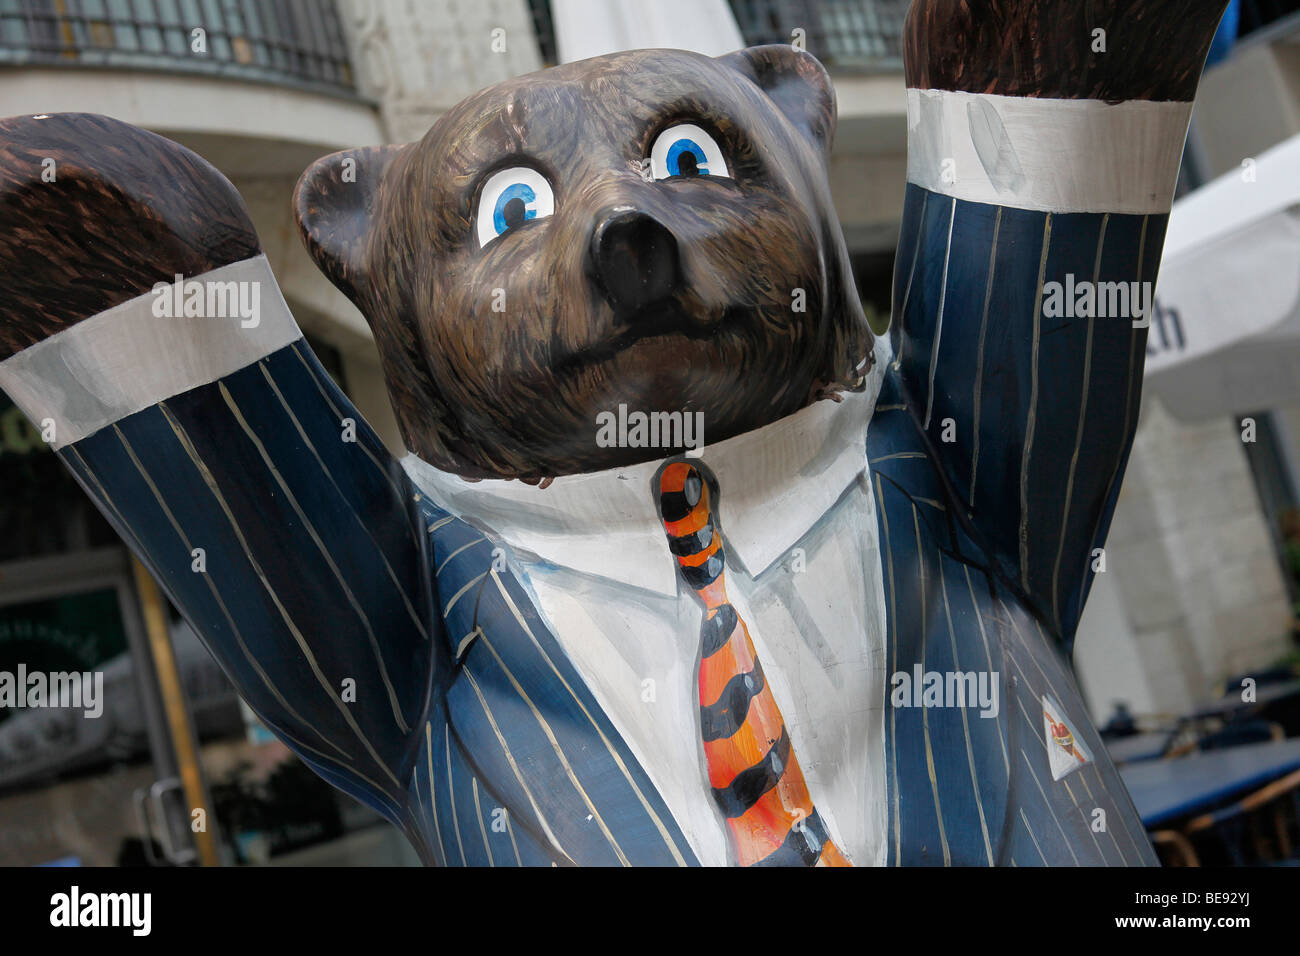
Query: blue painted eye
686	157
508	212
686	150
510	198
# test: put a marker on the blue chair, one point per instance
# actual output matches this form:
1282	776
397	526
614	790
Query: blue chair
1261	829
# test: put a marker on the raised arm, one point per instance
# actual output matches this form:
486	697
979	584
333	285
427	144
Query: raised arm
200	423
1043	149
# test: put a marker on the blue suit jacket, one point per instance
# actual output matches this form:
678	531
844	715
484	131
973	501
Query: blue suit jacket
391	646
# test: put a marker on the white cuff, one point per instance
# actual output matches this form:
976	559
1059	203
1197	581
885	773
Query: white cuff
143	351
1049	155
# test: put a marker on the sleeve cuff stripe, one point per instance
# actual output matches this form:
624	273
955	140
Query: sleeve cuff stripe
1048	155
174	338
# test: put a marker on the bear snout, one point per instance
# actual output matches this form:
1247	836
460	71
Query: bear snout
634	260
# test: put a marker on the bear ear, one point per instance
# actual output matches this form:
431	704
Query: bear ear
334	204
796	82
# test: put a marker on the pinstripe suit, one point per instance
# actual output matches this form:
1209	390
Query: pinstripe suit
386	642
322	563
465	703
998	446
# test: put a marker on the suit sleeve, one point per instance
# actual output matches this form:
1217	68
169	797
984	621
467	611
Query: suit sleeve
292	550
1043	149
201	424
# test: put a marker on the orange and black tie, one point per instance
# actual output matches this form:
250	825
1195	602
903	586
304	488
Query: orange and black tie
752	768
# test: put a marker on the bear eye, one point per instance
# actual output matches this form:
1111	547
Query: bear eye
510	198
686	150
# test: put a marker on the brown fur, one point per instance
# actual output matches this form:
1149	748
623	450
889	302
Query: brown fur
1155	48
516	394
127	209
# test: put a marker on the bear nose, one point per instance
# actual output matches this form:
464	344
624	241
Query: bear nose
634	259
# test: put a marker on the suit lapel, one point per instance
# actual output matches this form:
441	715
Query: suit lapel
521	732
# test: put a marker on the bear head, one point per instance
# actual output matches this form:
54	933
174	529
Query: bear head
651	229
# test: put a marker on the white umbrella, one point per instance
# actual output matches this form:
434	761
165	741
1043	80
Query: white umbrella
1225	333
585	28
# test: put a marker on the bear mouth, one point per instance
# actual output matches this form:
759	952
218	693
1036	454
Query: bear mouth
652	322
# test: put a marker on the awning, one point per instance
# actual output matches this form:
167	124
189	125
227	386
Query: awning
1225	330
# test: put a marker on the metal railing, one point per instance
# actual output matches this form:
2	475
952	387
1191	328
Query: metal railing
289	42
858	35
866	35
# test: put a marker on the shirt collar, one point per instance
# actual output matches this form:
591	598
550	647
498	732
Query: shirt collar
775	483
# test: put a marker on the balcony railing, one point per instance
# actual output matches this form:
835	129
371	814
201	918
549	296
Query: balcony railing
857	35
291	42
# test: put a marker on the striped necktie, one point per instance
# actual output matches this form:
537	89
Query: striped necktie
752	768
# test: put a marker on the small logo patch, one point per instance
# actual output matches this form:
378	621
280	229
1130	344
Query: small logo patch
1065	751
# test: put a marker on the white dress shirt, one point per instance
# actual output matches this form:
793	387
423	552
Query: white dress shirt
803	571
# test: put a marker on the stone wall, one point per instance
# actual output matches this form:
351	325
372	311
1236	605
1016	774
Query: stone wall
1192	565
419	59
